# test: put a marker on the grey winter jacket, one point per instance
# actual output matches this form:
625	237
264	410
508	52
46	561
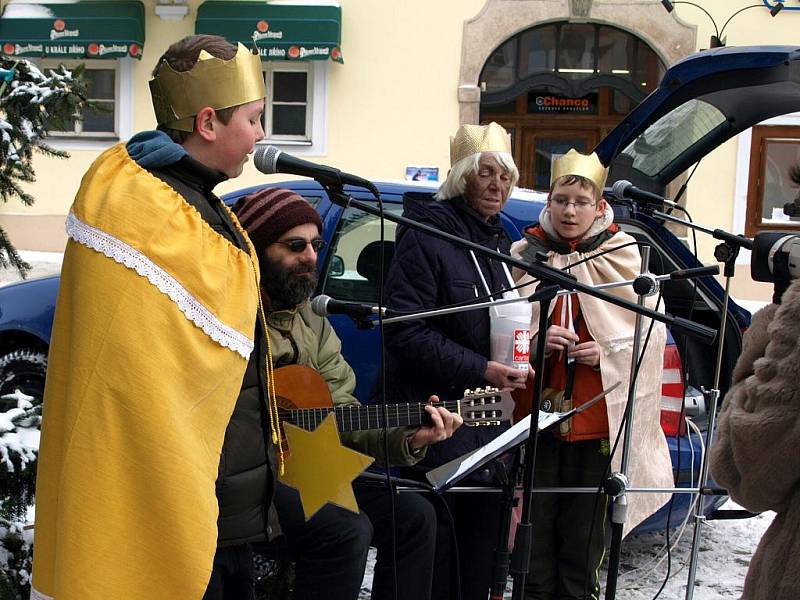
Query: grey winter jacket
302	337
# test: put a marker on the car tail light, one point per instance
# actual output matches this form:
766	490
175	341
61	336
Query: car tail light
672	392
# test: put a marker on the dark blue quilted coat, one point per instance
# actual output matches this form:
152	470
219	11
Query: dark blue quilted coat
447	354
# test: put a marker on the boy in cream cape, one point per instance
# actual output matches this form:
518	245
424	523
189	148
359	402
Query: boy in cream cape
589	347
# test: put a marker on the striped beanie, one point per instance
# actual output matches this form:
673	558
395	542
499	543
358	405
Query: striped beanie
270	212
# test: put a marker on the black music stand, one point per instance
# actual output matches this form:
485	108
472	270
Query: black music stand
447	475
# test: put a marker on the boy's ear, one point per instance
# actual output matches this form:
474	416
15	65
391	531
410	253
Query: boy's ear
205	122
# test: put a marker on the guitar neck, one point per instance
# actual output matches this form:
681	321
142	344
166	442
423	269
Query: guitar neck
360	417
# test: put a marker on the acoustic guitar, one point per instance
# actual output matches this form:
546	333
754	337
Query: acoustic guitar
305	400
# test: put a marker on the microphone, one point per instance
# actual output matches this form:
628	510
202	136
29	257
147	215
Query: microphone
269	160
695	272
324	305
648	284
625	189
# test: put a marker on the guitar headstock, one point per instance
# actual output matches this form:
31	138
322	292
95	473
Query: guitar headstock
486	406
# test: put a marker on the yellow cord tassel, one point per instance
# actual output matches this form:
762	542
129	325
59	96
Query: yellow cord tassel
272	397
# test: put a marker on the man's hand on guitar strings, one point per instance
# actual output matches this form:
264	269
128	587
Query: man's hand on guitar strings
444	423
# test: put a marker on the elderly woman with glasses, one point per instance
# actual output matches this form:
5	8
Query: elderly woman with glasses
589	347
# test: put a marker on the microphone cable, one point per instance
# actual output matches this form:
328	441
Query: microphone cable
384	405
382	391
617	438
686	377
383	399
488	297
471	301
625	416
682	190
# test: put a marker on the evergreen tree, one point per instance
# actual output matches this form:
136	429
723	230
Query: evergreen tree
19	436
31	104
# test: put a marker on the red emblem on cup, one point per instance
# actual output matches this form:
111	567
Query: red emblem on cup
8	48
134	50
59	25
336	54
262	26
522	345
94	49
294	52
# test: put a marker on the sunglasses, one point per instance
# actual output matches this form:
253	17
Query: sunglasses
298	245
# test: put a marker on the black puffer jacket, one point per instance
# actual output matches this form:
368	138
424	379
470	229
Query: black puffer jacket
443	355
245	481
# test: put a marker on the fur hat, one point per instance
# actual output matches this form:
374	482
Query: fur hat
269	213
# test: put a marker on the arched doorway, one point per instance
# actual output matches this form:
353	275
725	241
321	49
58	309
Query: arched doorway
564	85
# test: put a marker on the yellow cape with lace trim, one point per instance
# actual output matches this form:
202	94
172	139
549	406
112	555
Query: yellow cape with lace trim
154	322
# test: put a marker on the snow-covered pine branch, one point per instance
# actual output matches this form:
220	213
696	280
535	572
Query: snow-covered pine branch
32	103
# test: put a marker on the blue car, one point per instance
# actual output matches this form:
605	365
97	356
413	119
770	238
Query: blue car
702	101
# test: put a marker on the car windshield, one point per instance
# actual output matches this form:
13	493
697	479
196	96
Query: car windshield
670	136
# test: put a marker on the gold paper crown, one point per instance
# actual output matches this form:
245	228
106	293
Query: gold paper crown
575	163
471	139
179	95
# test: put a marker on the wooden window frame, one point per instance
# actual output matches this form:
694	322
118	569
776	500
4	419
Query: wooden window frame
755	182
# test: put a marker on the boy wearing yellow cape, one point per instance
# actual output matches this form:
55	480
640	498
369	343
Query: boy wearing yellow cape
157	452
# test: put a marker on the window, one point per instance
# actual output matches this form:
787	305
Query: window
295	113
111	87
573	51
774	151
537	51
498	73
353	264
288	114
103	79
674	133
576	50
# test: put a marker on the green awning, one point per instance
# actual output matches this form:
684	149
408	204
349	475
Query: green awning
85	29
307	31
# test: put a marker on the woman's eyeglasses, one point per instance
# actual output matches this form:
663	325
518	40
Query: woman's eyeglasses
578	204
298	245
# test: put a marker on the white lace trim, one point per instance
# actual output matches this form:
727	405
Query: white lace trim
124	254
37	595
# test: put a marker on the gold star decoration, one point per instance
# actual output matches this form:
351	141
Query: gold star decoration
320	468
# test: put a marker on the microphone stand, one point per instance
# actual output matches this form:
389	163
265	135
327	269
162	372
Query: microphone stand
726	253
552	280
616	486
502	555
520	559
645	281
544	273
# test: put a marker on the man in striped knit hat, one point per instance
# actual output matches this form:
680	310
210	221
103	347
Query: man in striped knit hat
330	549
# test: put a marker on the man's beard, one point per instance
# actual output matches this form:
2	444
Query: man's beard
287	287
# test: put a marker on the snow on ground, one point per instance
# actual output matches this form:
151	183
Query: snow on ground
43	263
724	554
725	549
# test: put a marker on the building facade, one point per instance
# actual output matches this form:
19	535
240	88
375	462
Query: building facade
377	87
